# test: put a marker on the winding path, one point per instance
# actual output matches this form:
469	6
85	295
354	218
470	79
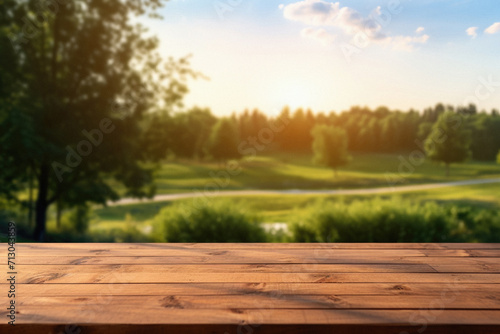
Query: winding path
366	191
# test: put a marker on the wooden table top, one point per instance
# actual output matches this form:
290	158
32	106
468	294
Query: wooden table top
253	288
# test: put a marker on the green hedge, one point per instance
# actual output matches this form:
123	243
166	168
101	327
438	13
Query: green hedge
395	220
210	221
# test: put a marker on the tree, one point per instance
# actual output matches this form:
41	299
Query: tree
424	130
330	146
190	132
390	132
448	141
224	140
285	137
485	130
432	114
498	157
76	79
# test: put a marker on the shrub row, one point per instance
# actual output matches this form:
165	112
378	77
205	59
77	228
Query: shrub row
367	220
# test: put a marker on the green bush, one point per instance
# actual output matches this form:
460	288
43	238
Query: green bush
394	220
78	219
214	221
11	211
481	225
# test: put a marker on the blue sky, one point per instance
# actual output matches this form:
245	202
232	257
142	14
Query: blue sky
330	55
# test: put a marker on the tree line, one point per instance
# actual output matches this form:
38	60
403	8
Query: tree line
198	134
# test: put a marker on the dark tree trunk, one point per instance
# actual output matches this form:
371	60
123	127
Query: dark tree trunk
30	201
41	204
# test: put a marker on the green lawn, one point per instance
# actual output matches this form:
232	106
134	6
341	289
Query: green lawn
295	171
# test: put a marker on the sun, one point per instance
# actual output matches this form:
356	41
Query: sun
295	94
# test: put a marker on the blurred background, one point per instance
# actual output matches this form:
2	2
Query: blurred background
249	121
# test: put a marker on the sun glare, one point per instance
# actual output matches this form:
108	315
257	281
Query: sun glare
295	94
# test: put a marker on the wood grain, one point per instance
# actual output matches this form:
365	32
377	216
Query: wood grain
261	288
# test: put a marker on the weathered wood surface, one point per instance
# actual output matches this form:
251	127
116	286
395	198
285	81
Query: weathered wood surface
255	288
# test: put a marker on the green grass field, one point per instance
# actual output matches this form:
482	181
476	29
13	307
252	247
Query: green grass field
296	171
287	171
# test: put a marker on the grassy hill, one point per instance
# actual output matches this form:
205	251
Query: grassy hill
296	171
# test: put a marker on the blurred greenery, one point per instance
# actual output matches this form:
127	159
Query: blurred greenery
77	85
220	221
90	113
395	220
330	146
448	141
295	170
134	222
470	215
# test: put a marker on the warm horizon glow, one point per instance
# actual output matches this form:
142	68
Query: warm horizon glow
295	95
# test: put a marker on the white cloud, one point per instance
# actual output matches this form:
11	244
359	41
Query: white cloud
419	30
323	13
472	31
352	22
281	6
493	29
318	34
407	43
332	16
314	12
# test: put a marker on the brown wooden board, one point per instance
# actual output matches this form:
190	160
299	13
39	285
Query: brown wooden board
254	288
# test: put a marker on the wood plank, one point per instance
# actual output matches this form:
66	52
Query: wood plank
484	252
431	266
112	276
233	268
249	328
295	254
210	259
213	246
120	314
453	300
202	289
179	250
317	252
110	251
436	262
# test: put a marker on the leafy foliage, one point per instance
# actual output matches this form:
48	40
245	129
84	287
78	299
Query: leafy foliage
209	222
66	69
191	131
448	141
80	217
485	137
330	146
224	140
395	220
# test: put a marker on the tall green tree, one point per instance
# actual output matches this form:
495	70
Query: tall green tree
76	78
330	146
449	140
224	140
485	130
190	132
